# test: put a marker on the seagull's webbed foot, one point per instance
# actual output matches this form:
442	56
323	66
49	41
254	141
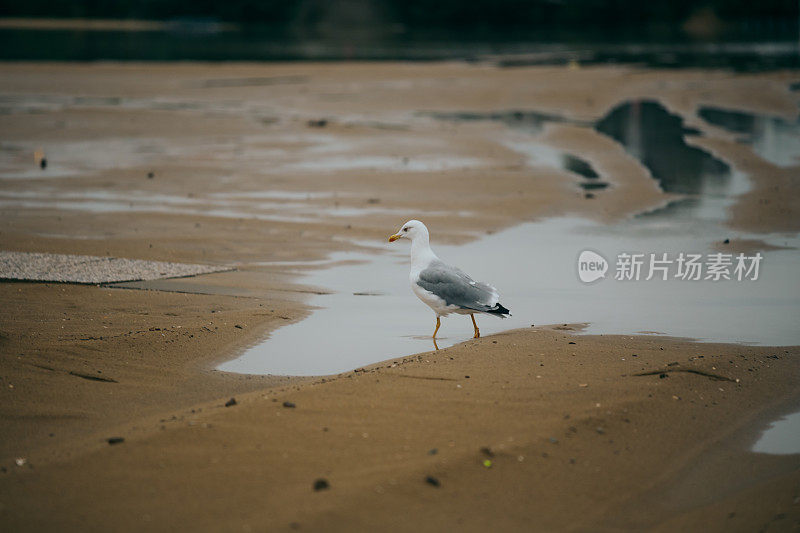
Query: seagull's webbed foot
477	331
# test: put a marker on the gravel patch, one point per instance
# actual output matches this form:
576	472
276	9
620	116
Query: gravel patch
91	269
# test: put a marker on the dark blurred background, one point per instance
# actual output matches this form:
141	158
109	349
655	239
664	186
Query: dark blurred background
741	33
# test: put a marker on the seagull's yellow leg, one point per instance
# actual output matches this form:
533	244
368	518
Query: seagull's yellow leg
477	331
438	323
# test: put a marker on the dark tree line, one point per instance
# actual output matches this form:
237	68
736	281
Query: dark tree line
420	14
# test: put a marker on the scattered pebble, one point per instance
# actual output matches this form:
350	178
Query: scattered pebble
487	451
115	440
433	451
321	484
600	430
430	480
319	123
151	175
20	461
289	405
230	402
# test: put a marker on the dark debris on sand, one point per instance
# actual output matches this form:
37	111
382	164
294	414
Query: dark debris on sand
430	480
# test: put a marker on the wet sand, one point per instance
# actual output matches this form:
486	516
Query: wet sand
575	438
586	446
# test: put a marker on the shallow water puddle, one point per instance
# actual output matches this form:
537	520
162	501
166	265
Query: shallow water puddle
537	154
656	138
530	124
373	315
782	437
647	130
286	206
388	163
526	121
772	138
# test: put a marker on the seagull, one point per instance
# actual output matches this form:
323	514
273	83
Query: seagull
445	288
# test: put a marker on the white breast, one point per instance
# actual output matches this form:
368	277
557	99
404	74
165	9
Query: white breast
421	258
438	305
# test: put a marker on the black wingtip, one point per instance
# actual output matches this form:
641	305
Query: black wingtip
501	311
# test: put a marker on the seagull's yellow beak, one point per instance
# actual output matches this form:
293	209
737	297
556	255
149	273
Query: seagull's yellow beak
394	237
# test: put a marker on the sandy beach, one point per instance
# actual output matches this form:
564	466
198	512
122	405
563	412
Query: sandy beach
270	168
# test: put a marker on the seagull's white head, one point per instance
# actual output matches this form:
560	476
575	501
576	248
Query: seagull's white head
410	230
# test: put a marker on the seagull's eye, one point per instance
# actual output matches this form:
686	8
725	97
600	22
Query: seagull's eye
405	229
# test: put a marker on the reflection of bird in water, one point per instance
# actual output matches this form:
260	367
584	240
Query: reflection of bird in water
445	288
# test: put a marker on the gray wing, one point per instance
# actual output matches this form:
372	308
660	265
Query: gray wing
456	288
